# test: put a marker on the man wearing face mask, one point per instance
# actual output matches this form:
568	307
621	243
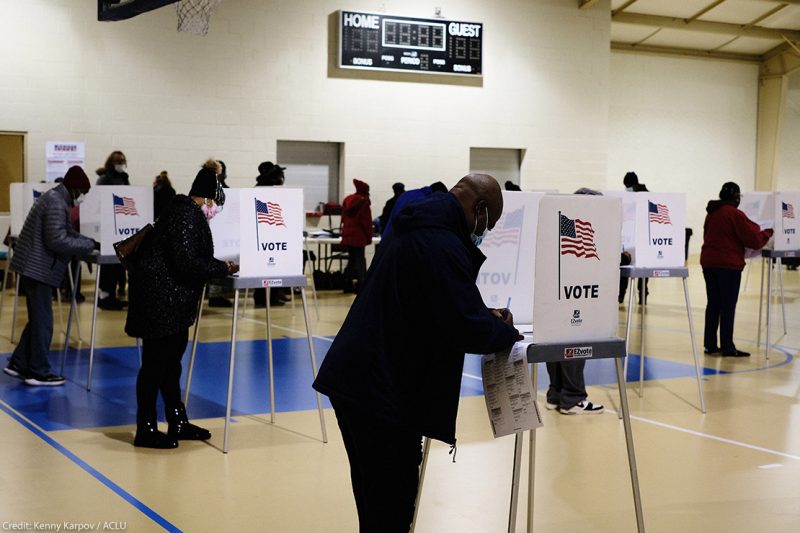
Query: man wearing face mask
174	262
726	233
46	244
112	277
393	372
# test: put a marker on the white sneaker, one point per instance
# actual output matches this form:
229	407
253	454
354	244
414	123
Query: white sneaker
551	406
583	408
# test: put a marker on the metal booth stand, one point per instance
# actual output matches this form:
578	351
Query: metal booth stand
677	272
237	284
554	353
766	263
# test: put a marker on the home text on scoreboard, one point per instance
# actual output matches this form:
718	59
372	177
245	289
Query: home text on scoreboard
386	42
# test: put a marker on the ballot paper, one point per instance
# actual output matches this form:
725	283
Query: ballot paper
508	391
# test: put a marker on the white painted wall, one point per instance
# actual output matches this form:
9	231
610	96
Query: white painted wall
789	154
170	100
683	125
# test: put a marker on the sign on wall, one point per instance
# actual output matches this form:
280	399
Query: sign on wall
577	269
60	156
271	232
386	42
112	213
506	277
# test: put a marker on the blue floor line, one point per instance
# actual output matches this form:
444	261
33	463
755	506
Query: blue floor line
125	495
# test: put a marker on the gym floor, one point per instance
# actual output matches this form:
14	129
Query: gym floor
70	462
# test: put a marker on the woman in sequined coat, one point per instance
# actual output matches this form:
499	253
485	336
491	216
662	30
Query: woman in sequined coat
167	277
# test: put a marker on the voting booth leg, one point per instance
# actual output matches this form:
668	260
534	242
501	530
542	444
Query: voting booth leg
14	312
515	482
230	370
313	363
628	334
769	306
532	454
783	301
641	351
698	371
626	419
194	347
760	303
73	310
74	304
270	360
516	472
426	448
94	327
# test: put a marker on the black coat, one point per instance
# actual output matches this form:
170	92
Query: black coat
400	353
167	277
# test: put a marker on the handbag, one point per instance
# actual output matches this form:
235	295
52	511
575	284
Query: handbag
127	249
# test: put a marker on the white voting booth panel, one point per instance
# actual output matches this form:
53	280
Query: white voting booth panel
628	231
759	207
225	228
112	213
577	268
506	277
270	231
21	199
786	226
660	230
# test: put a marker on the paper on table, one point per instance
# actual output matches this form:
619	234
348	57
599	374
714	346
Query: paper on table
508	391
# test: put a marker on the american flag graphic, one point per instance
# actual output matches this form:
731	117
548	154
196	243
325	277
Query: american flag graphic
36	194
124	205
658	213
507	230
577	237
269	213
787	210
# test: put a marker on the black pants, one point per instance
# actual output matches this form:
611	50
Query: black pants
722	293
161	371
112	277
384	470
31	352
567	386
356	269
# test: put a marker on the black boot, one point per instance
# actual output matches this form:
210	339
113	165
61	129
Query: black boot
181	429
148	436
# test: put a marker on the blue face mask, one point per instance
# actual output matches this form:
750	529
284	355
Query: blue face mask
478	239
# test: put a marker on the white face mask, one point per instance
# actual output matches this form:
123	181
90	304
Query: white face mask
478	239
210	211
120	168
79	200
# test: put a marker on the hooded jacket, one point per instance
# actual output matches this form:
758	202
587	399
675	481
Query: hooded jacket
47	240
726	233
399	355
357	217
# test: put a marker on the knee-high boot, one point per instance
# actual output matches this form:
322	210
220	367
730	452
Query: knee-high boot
180	428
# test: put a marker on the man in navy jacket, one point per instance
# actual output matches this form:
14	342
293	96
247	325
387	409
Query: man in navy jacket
393	373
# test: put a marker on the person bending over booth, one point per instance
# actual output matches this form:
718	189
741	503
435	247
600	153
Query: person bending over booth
393	372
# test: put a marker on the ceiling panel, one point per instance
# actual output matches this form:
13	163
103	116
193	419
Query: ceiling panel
630	33
668	8
739	11
787	18
687	39
751	45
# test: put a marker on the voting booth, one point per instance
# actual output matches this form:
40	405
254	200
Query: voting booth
111	213
261	228
506	277
21	199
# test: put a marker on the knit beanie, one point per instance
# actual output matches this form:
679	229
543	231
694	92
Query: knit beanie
76	178
206	185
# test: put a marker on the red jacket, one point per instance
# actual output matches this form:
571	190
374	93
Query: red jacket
356	220
726	233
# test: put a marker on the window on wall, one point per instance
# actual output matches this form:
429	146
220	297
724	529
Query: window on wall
312	166
502	163
12	164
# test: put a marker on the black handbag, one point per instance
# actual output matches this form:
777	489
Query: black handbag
127	249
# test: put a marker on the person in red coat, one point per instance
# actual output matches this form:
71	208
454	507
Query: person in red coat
356	234
726	233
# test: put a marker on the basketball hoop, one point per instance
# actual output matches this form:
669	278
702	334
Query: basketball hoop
193	15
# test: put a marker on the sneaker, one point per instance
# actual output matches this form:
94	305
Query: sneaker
218	301
551	406
14	371
48	380
737	353
582	408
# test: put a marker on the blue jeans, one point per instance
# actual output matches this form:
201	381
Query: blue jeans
30	356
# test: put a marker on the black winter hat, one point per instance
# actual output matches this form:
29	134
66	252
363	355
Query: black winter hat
206	185
270	174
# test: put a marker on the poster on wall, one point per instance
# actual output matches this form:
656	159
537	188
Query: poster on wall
60	156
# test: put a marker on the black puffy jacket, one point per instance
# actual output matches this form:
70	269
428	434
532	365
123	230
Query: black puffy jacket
172	264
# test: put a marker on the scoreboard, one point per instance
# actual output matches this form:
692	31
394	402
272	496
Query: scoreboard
385	42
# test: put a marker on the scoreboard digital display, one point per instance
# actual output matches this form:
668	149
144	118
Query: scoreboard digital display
384	42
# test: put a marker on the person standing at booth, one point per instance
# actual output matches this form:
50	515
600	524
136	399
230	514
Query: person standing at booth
726	233
46	244
393	372
167	276
356	235
112	277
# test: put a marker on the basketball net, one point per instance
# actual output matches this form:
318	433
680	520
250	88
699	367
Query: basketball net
193	15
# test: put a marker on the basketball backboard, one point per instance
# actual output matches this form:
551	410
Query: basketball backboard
125	9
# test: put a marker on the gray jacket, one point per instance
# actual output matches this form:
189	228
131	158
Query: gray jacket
47	240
